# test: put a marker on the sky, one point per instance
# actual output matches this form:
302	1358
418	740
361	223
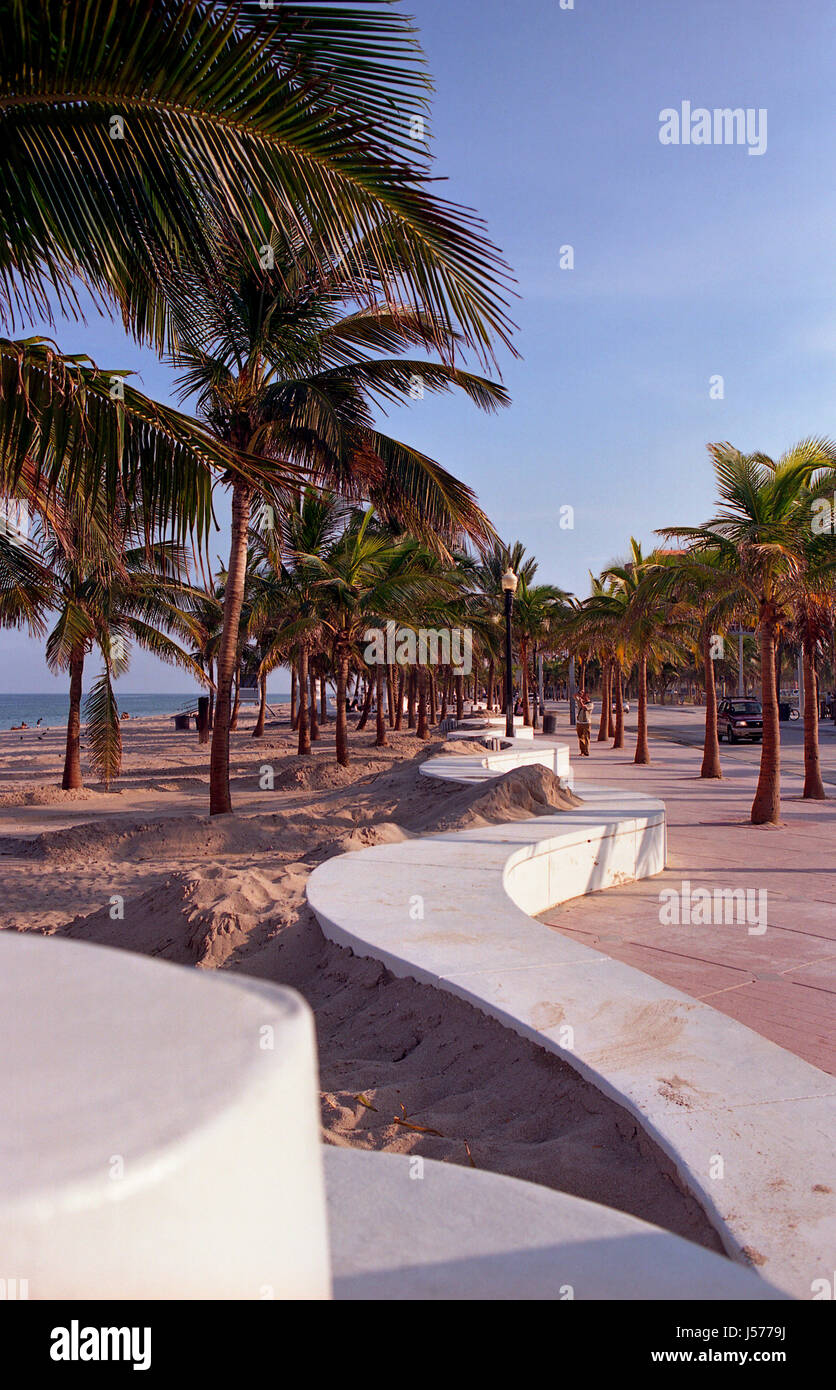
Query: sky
691	263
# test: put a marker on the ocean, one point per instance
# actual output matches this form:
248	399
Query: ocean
51	708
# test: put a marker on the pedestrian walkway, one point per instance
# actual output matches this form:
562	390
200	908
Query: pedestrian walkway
780	981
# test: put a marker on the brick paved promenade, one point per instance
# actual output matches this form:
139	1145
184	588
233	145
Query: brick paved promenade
782	983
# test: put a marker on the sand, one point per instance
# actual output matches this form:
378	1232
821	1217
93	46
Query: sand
404	1067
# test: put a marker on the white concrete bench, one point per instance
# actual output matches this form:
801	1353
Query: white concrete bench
473	767
161	1141
409	1228
748	1125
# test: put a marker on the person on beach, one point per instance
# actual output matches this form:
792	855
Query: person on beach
582	719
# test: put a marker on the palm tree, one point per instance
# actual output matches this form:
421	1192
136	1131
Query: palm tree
600	625
130	138
366	576
108	589
647	624
760	531
537	608
129	132
487	600
814	597
285	380
707	592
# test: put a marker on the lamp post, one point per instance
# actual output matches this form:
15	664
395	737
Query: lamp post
509	588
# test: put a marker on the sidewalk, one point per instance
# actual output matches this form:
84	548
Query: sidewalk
782	983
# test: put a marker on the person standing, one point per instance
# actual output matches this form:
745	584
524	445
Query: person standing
582	722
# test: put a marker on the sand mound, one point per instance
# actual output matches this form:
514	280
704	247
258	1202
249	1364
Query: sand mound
201	919
382	833
315	775
45	795
461	746
175	838
517	795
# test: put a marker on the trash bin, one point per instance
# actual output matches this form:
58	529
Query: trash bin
181	723
203	718
549	723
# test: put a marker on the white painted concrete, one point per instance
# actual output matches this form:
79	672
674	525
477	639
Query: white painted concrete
748	1125
160	1130
409	1228
519	752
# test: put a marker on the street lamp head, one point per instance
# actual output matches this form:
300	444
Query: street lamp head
509	581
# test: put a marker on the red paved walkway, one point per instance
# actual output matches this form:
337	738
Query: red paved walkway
781	983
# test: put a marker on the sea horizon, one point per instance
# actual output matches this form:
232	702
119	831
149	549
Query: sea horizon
51	707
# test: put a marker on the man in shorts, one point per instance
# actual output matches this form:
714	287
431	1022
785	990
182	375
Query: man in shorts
582	722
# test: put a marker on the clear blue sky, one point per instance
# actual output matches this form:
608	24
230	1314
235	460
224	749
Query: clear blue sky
690	262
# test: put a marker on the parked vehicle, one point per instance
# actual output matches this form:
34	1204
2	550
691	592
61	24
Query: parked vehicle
740	719
625	706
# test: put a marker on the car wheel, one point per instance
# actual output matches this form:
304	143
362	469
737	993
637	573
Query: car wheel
732	737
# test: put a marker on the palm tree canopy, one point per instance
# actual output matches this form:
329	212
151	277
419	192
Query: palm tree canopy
283	364
125	126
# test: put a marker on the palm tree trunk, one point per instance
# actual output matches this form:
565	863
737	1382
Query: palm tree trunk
459	697
610	715
220	801
314	720
323	700
489	691
304	745
380	741
606	703
445	696
524	678
766	807
294	713
618	736
422	731
399	698
642	748
433	705
258	731
236	703
813	784
341	732
212	695
72	779
410	699
390	694
367	704
711	765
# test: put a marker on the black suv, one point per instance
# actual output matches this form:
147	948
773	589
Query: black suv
739	719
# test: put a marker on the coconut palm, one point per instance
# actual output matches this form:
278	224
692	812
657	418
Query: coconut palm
108	589
814	598
283	373
706	594
649	627
760	529
129	131
365	577
537	610
600	625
